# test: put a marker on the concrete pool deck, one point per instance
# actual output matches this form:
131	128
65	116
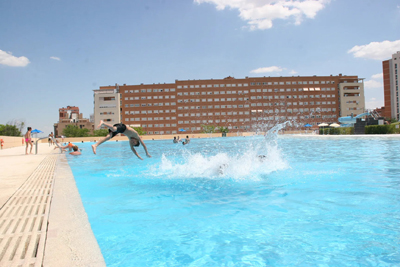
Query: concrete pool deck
42	219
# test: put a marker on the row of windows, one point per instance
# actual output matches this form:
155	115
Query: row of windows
234	113
257	91
268	118
253	84
149	111
261	104
354	108
150	97
150	90
252	98
151	119
150	104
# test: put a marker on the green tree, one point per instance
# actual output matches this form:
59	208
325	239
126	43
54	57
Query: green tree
208	128
20	124
223	129
101	132
9	130
74	131
139	130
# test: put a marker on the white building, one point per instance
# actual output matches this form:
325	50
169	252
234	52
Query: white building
107	106
352	99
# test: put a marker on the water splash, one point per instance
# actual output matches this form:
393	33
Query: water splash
250	159
272	134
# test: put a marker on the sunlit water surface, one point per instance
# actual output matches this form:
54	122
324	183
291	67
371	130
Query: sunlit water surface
311	202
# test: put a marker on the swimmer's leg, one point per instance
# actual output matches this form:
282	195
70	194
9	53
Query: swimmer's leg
94	147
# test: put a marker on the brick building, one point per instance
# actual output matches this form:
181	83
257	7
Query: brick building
391	86
71	116
246	104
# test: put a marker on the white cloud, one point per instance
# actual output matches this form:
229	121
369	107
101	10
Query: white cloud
374	103
259	14
267	69
6	58
377	76
293	72
56	58
372	84
376	50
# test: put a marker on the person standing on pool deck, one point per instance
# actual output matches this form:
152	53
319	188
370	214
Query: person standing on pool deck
28	140
134	138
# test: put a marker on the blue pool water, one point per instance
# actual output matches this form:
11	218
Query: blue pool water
313	201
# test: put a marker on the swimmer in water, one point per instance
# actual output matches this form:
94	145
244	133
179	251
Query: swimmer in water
187	140
76	151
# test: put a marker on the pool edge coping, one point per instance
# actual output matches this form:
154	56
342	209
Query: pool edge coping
70	239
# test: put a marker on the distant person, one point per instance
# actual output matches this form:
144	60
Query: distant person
187	140
175	140
113	130
178	140
51	135
76	151
28	140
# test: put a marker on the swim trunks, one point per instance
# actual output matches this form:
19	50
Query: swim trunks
120	129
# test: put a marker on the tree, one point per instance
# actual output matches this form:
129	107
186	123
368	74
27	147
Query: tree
20	124
139	130
74	131
9	130
208	128
101	132
223	129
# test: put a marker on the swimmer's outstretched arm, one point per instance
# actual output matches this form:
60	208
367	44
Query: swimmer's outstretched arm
134	152
144	146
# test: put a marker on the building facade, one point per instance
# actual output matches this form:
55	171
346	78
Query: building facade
107	105
69	113
391	86
71	116
246	104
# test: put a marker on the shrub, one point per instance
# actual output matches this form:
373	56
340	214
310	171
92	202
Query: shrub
74	131
101	132
336	131
382	129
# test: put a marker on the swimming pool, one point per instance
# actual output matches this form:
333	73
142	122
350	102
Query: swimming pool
326	201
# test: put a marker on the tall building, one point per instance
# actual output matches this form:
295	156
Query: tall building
107	105
391	86
245	104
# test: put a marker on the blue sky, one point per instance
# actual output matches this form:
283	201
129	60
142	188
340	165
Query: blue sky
54	53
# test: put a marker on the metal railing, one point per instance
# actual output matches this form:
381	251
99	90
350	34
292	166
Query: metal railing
54	141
